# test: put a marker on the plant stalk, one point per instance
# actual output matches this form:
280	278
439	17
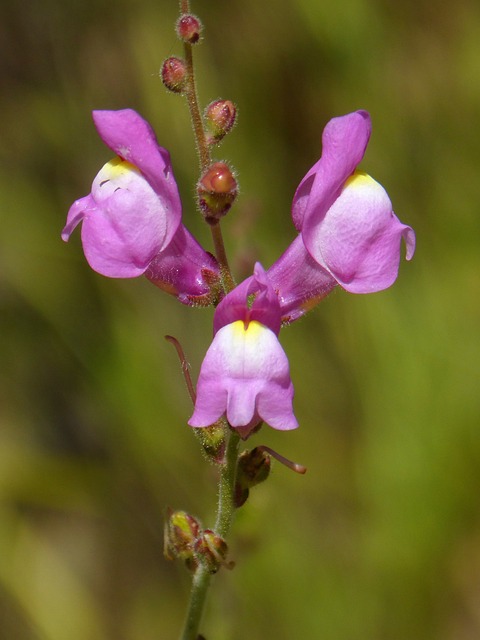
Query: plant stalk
225	513
204	155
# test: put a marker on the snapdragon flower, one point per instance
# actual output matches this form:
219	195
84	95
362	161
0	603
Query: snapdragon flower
131	220
245	373
348	233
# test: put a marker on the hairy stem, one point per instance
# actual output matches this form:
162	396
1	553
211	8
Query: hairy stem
203	151
224	518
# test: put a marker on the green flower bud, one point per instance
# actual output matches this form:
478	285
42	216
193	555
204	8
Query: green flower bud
180	535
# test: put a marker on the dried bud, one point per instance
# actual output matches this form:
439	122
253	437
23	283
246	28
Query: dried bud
220	117
212	550
189	28
216	189
253	467
174	74
180	536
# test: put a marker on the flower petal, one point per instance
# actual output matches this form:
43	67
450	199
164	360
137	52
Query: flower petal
245	373
185	270
358	239
76	214
344	142
264	308
300	282
133	139
124	222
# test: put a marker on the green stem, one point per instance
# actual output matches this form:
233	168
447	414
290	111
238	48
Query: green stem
198	595
226	489
225	512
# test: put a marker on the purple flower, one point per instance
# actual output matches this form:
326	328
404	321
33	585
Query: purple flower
349	235
245	373
131	220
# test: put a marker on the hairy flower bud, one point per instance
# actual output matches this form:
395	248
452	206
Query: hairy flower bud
174	74
189	28
217	190
219	117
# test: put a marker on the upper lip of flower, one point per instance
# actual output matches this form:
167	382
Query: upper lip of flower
134	208
265	306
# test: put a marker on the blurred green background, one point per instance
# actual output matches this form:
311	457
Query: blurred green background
381	539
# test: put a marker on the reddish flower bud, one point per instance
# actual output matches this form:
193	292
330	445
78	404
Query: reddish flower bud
220	117
216	189
189	28
174	74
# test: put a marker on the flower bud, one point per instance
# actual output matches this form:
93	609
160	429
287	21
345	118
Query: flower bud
212	550
219	117
216	189
189	28
174	74
180	535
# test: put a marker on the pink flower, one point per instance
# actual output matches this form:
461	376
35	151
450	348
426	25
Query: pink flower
131	220
349	235
245	373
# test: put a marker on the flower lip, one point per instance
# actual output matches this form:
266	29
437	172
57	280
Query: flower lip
245	374
344	142
134	209
124	221
131	137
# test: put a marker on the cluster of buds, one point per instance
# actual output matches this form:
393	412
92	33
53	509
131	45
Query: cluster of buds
185	540
217	186
174	71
